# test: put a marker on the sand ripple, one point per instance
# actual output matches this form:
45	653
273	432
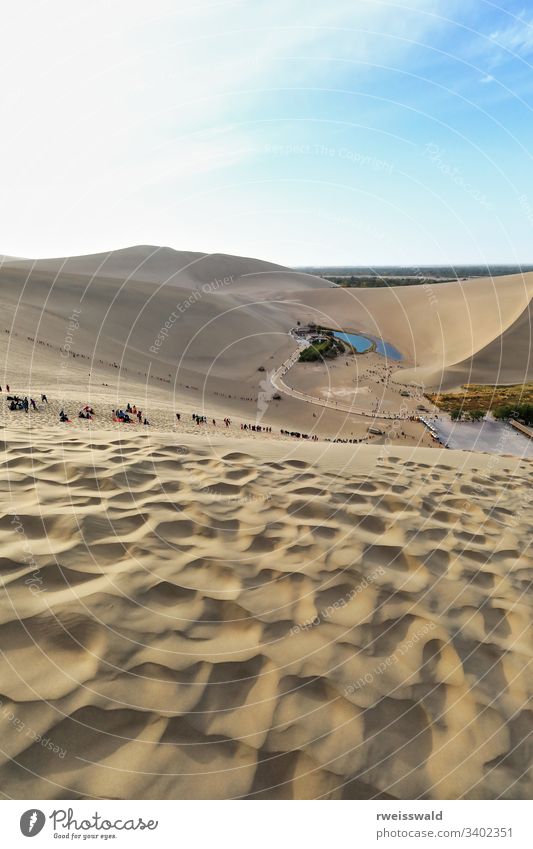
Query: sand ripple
211	623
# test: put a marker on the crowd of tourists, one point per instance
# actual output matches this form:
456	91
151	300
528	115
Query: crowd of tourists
297	435
256	428
132	414
18	403
203	419
129	415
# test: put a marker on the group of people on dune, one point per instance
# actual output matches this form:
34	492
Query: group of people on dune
313	437
203	419
18	403
86	412
256	428
132	413
129	415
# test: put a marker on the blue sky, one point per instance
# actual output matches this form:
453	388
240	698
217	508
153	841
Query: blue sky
348	132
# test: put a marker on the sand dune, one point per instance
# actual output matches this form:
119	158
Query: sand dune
204	317
506	359
236	616
197	319
166	266
192	621
449	332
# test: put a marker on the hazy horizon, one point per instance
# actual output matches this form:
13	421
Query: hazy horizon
332	266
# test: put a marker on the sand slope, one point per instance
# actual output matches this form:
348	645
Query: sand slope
149	313
507	359
240	620
166	266
450	332
217	323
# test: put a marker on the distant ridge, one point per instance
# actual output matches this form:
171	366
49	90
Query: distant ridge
148	262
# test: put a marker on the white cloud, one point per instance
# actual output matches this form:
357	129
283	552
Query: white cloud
516	38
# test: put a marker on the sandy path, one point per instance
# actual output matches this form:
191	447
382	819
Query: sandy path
354	408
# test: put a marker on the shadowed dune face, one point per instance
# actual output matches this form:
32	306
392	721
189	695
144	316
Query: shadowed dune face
506	359
218	623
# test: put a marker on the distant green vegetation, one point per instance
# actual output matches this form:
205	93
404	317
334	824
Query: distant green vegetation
468	416
327	348
354	282
368	277
483	397
521	412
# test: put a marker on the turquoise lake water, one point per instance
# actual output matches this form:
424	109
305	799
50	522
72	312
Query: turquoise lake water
364	343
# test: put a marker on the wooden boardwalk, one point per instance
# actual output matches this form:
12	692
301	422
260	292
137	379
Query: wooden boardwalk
527	431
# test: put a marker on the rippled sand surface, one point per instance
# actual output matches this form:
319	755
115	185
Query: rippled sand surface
233	620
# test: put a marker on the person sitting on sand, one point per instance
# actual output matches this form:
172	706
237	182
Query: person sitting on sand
146	422
63	416
178	416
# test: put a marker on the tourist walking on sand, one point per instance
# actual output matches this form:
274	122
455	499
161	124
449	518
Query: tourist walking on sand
44	399
33	404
